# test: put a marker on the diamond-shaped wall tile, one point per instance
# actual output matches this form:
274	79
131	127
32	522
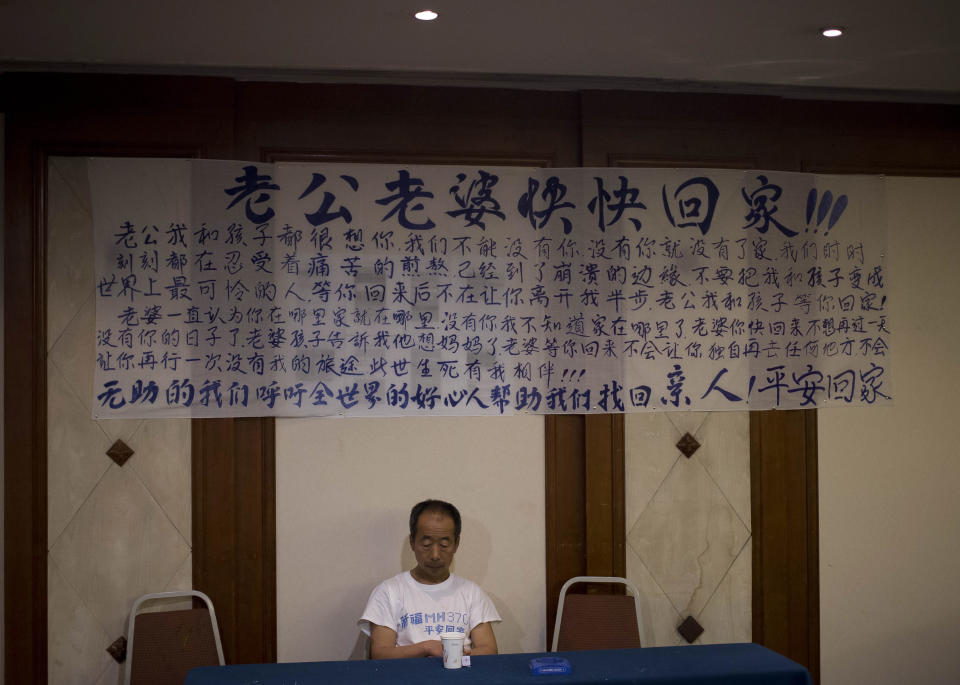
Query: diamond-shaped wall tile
120	545
649	454
688	445
725	454
75	639
690	629
163	463
120	452
76	458
118	649
657	615
688	536
728	613
69	245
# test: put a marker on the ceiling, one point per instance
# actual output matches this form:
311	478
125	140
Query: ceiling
907	50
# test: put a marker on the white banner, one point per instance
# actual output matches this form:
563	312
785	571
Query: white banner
246	289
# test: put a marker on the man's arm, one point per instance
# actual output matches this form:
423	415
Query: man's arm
483	639
383	645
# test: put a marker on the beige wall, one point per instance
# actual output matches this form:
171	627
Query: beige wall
889	477
344	492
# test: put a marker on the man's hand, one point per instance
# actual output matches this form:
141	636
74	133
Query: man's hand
383	645
430	647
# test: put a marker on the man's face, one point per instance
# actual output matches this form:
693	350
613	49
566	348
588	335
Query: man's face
434	546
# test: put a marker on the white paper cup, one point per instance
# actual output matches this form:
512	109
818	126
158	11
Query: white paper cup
452	649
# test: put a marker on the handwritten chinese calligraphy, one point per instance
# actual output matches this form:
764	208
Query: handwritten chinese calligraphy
364	290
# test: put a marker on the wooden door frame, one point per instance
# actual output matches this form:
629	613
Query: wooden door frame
233	487
786	534
584	501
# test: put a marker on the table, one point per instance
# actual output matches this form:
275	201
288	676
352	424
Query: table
740	664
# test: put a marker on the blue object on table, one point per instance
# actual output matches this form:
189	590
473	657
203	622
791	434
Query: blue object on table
739	664
549	665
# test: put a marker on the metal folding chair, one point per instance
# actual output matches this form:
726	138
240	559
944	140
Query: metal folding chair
170	643
594	621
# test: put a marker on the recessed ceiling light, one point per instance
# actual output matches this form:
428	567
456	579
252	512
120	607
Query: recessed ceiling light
832	32
426	15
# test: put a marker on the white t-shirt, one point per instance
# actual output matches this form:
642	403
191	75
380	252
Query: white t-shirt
419	612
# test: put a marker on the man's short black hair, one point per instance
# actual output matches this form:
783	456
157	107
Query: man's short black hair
438	506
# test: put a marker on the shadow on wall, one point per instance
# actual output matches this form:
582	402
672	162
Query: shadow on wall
508	631
361	650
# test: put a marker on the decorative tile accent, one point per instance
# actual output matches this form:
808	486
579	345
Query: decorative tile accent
688	445
120	452
688	536
118	649
119	546
690	630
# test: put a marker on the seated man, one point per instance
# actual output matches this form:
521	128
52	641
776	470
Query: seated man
407	614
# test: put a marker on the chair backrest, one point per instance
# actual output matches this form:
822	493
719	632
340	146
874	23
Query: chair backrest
597	621
163	646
